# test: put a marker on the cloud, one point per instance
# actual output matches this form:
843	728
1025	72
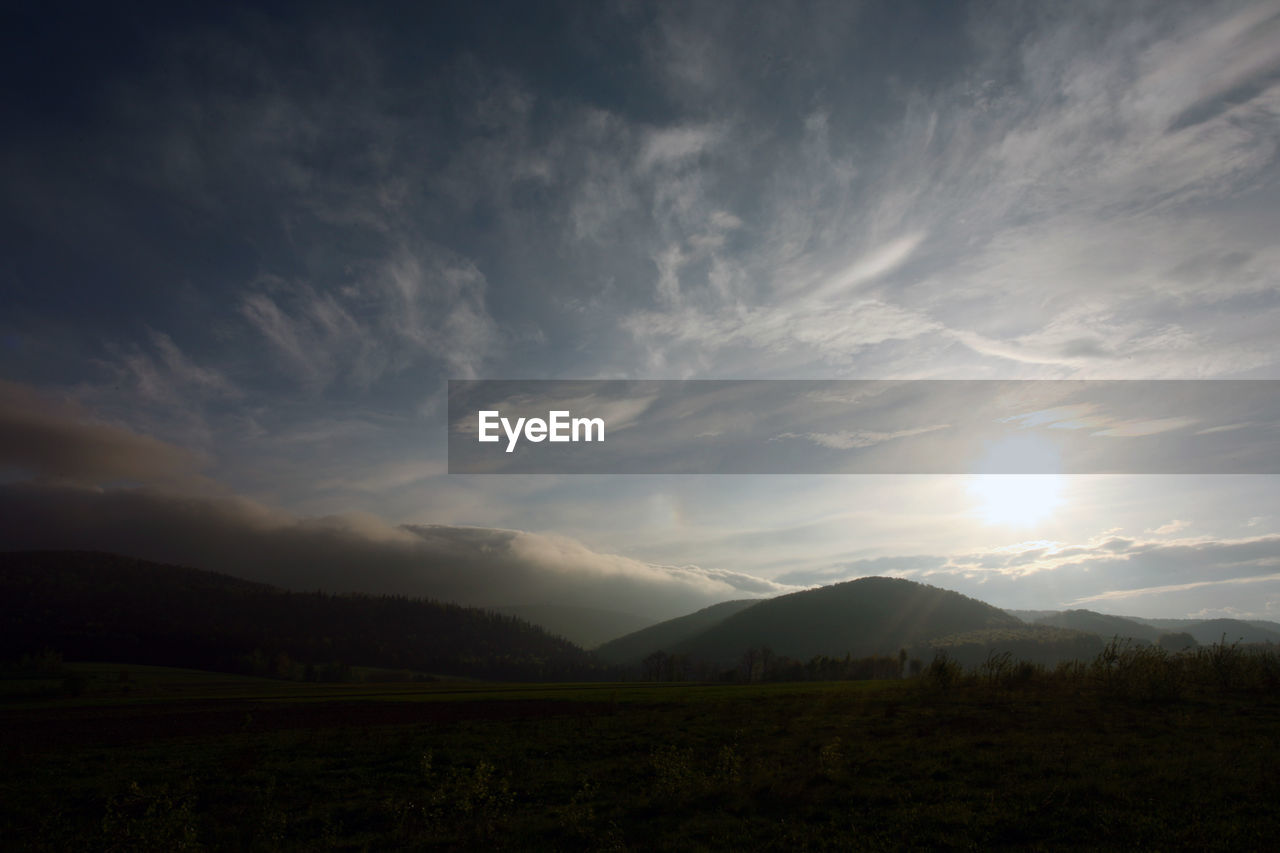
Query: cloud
358	552
427	302
832	333
1099	189
389	477
52	439
1120	557
1172	527
1224	428
894	566
169	377
1149	591
1134	429
853	439
1105	568
674	145
1232	56
1091	416
1057	203
1031	193
872	266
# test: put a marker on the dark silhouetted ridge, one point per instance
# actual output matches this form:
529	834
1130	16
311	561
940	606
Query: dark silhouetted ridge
665	635
95	606
586	626
862	617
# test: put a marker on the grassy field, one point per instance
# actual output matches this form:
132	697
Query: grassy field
145	758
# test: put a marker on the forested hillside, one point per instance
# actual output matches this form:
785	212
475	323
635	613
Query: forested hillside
638	644
1102	624
94	606
863	617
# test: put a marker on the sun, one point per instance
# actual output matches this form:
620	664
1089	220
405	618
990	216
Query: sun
1017	483
1015	500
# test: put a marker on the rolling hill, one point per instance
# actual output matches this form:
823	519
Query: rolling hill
862	617
1207	631
1042	644
1102	624
1030	616
585	626
104	607
666	635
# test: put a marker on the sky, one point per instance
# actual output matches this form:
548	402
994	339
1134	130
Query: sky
245	249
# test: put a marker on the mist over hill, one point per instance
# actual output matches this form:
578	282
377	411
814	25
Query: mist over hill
98	606
105	607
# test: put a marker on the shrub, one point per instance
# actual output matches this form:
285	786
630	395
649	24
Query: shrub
943	672
1223	661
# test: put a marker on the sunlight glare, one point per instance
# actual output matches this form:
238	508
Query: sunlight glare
1024	487
1016	499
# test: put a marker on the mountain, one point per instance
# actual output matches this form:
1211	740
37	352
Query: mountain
861	617
95	606
665	635
1208	631
586	626
1102	624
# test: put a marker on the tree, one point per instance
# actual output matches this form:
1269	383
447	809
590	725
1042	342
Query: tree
654	666
1177	642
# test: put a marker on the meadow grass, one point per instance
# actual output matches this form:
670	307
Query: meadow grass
998	758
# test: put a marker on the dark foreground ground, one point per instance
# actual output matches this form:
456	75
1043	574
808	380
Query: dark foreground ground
151	759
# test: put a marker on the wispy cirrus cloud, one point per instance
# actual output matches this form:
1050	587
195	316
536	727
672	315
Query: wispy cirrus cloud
1119	595
423	305
852	439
